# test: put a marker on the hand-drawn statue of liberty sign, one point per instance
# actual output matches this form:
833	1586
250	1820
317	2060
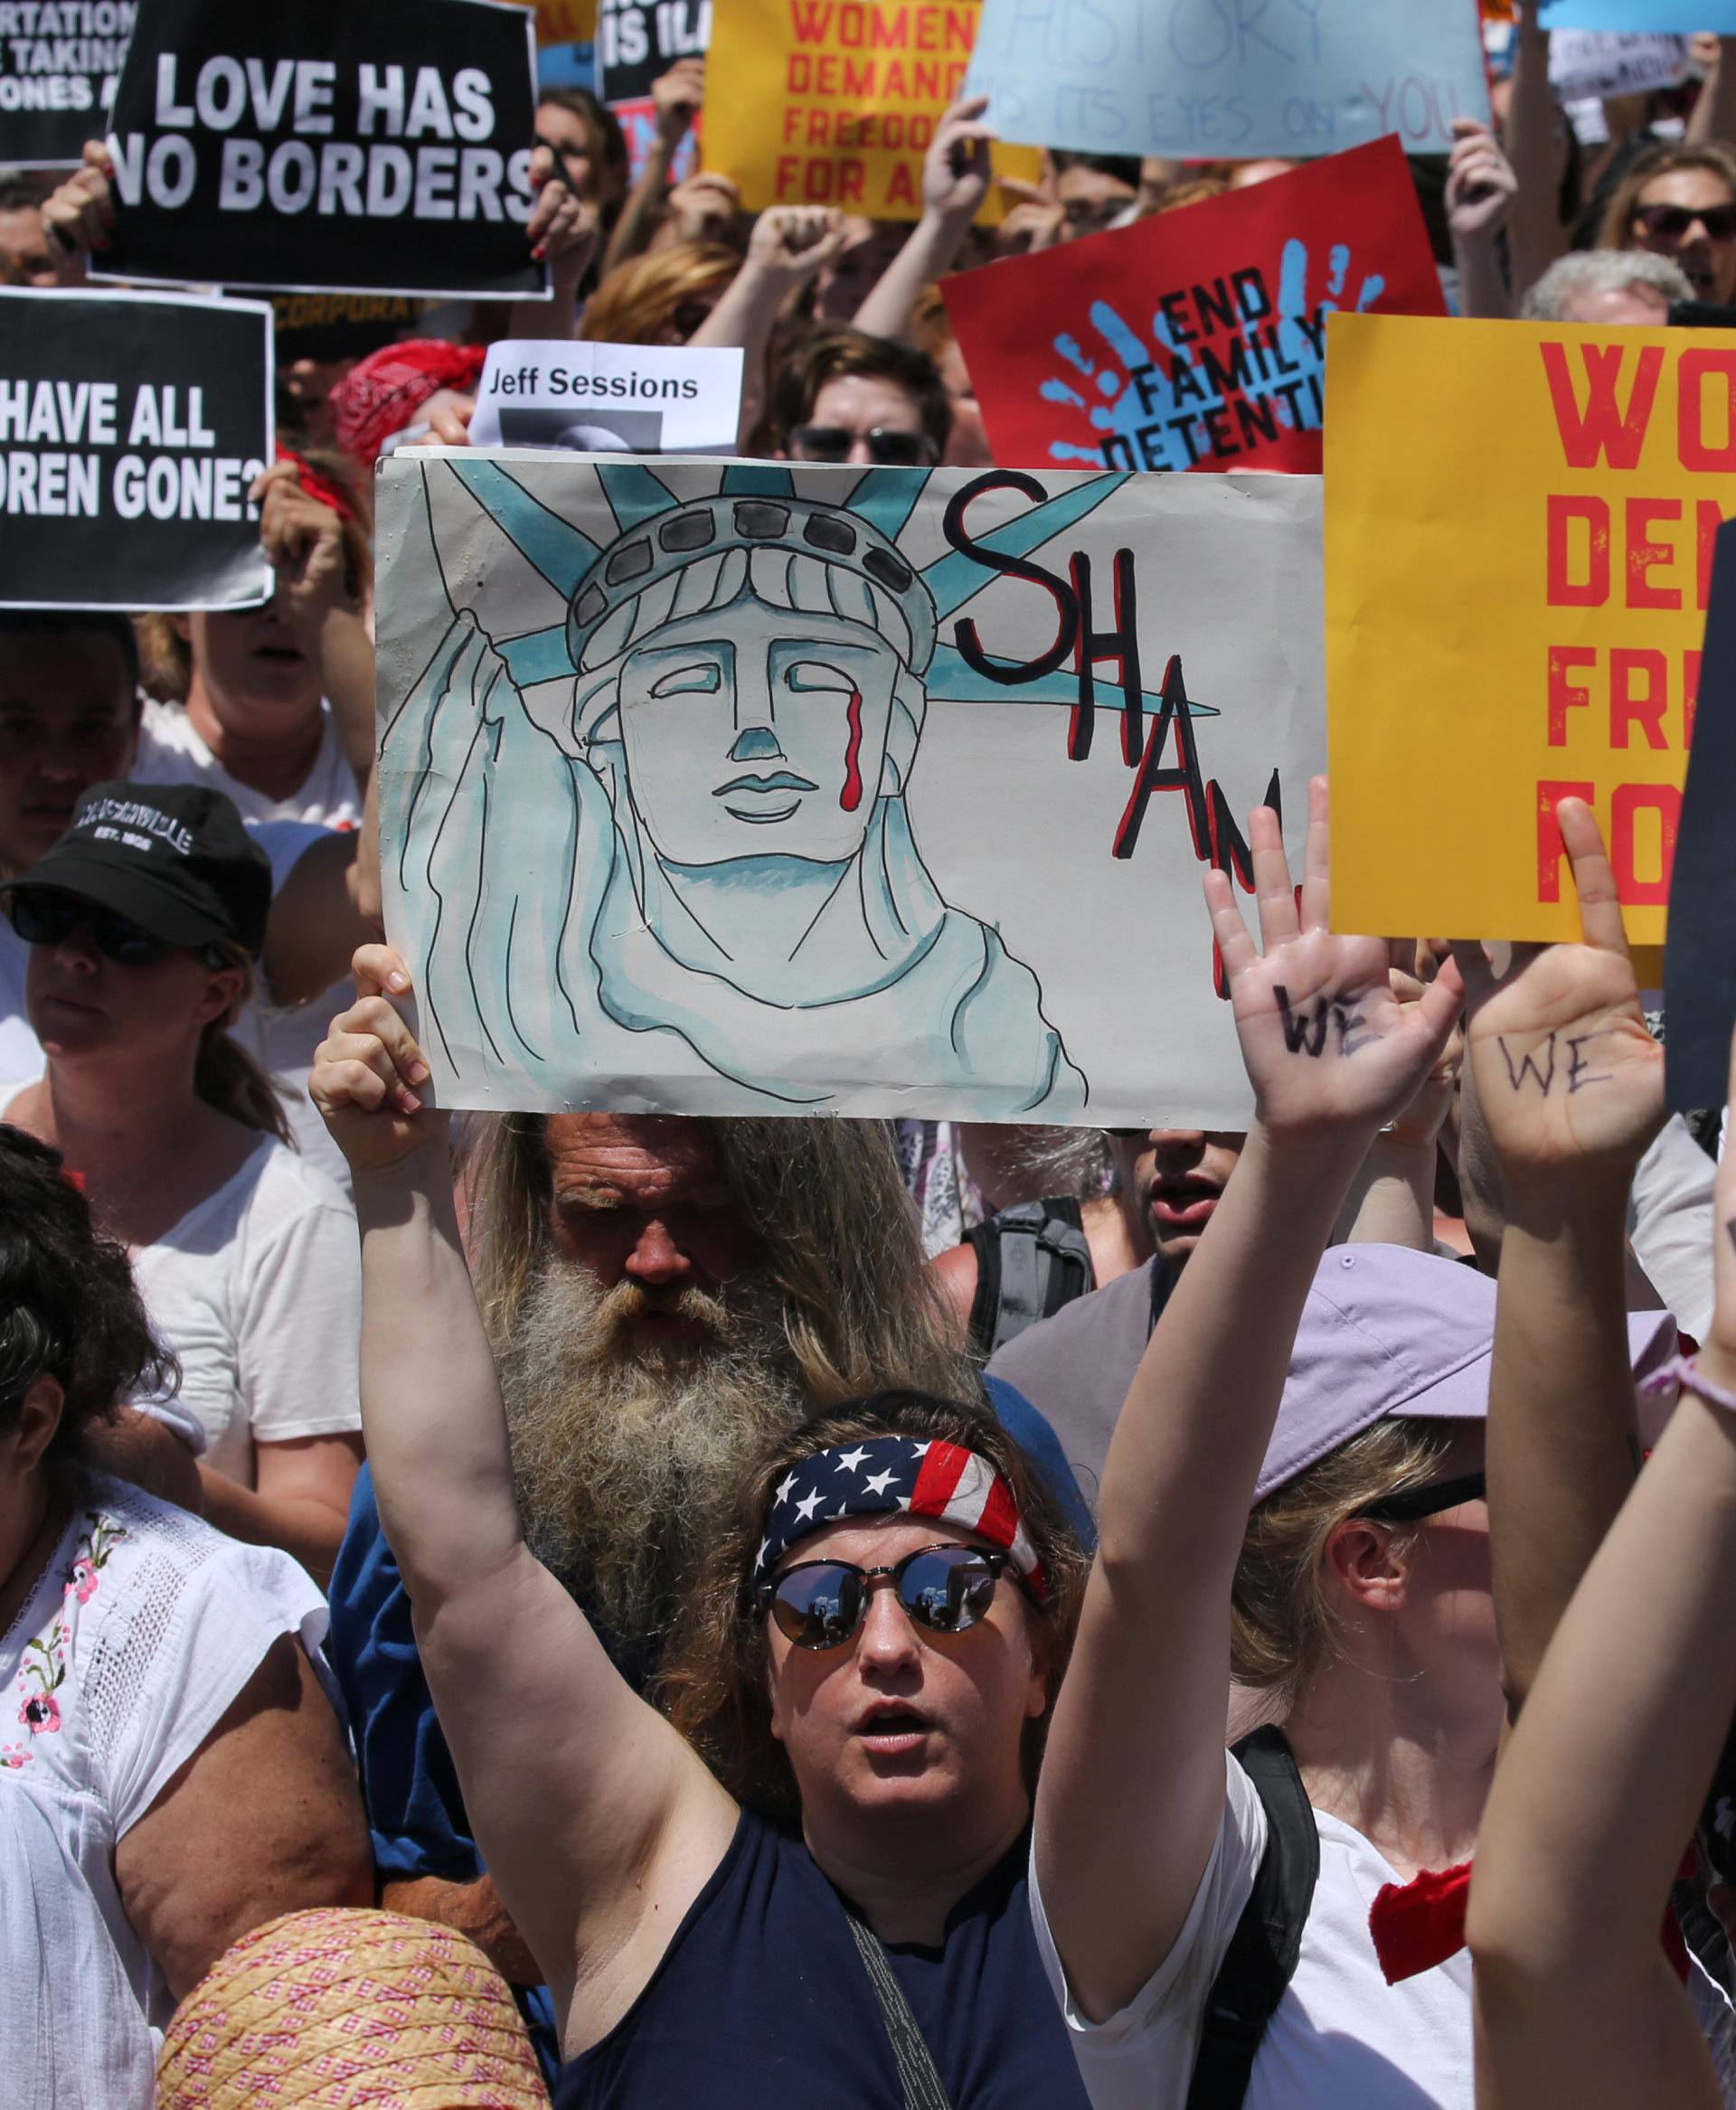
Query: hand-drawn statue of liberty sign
655	741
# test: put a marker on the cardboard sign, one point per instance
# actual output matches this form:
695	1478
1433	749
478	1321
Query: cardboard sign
317	147
59	65
131	426
1500	637
638	42
1202	77
834	102
609	398
757	788
1584	64
1682	16
1700	960
1195	340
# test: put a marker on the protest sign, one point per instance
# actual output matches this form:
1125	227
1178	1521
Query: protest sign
609	398
316	146
1194	78
1519	536
1684	16
58	62
130	427
1584	64
760	788
1195	340
834	102
638	42
1700	960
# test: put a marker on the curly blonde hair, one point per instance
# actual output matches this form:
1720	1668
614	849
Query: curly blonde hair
715	1683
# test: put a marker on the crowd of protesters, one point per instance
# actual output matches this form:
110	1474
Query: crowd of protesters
624	1609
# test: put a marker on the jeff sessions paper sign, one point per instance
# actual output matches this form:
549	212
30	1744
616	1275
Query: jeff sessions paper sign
131	426
609	398
753	788
318	145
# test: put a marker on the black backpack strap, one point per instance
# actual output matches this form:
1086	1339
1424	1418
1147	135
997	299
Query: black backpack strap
1040	1260
1260	1960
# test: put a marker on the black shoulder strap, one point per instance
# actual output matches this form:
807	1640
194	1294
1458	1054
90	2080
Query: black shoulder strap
1042	1261
922	2085
1260	1960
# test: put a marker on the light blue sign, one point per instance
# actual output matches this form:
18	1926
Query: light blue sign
1677	17
1247	79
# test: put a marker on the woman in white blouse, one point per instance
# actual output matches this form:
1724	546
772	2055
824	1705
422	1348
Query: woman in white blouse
172	1774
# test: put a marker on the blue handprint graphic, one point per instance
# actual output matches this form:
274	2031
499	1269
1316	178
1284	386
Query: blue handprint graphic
1227	372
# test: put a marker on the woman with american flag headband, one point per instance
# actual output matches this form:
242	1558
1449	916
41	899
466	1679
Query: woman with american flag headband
811	1872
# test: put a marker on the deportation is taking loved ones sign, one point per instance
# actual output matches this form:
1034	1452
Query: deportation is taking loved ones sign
131	425
320	147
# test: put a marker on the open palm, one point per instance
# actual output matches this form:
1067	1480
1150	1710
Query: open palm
1565	1071
1328	1045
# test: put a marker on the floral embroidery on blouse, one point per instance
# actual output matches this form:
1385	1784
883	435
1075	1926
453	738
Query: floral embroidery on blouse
42	1671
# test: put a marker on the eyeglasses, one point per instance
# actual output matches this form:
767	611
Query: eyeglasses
886	449
821	1604
1418	1503
1671	223
42	916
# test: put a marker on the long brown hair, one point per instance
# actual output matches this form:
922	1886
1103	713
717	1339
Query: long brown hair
716	1682
635	299
827	1200
225	1076
1616	231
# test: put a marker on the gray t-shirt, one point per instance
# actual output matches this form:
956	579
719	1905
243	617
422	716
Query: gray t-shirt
1076	1367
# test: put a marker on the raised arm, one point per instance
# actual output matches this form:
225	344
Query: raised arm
1480	187
1535	236
789	243
596	1822
1332	1054
1570	1088
677	96
324	599
955	182
1713	115
1602	1779
563	233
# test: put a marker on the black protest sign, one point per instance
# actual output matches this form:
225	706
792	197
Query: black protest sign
130	427
638	39
1700	944
318	145
58	62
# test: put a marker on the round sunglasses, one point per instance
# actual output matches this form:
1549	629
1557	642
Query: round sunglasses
42	916
822	1603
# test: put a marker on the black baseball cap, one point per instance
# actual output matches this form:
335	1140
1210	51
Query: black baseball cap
175	859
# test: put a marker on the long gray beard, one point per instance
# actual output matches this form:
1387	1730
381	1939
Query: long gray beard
629	1451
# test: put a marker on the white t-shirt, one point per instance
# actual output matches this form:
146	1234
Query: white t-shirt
171	751
142	1629
258	1290
1341	2037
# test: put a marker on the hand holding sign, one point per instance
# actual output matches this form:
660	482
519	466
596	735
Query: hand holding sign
81	215
678	96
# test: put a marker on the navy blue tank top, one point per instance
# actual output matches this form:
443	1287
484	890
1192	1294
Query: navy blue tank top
761	1997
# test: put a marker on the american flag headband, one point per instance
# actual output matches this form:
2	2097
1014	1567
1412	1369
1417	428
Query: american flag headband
890	1476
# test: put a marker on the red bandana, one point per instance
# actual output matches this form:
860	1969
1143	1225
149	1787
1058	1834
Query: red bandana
315	486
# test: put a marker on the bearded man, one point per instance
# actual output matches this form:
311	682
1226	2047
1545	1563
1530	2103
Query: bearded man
663	1296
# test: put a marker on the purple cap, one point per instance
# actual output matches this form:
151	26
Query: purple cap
1387	1331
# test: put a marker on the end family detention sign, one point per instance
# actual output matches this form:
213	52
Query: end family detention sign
319	146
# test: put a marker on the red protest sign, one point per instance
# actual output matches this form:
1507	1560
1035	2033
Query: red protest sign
1196	339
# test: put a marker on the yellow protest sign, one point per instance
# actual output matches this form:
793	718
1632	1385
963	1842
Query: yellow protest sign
834	102
1519	526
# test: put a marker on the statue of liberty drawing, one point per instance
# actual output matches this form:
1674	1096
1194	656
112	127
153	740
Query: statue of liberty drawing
731	893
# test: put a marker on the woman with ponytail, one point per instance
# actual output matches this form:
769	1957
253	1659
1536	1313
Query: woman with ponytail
144	923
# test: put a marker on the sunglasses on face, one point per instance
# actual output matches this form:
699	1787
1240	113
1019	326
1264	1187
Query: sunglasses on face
887	450
822	1603
1418	1503
1671	223
41	916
